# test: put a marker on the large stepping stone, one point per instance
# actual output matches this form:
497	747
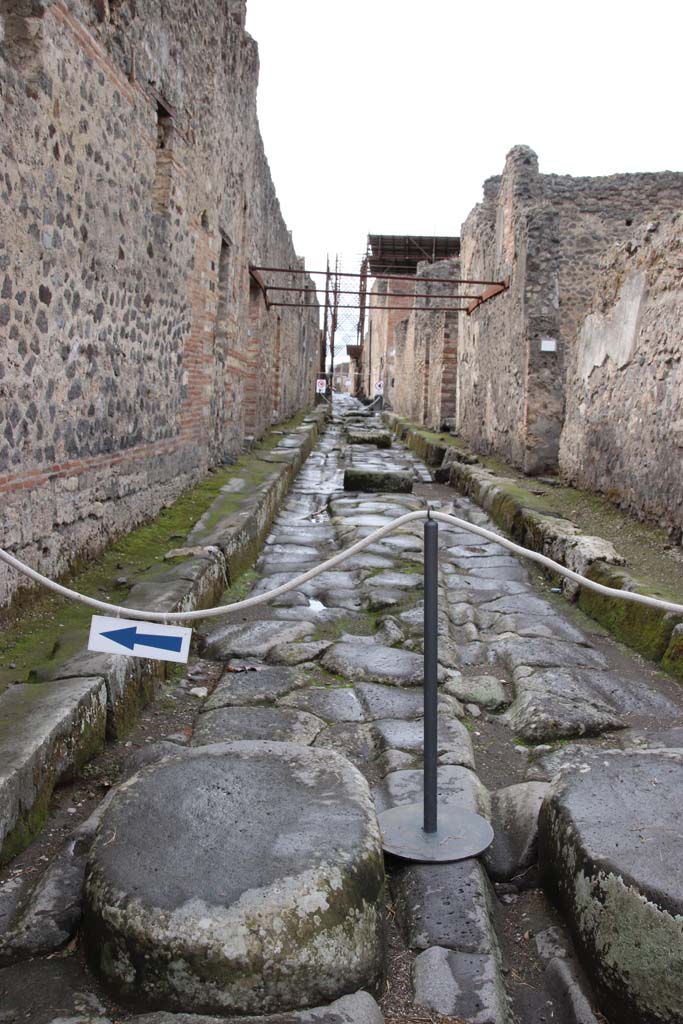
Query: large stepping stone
241	878
374	663
377	480
610	855
360	1008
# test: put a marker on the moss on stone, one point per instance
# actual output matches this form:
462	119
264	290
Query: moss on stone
377	481
28	826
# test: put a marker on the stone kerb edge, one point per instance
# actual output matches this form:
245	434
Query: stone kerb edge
657	635
131	682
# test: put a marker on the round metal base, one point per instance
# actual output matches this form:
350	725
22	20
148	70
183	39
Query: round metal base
460	834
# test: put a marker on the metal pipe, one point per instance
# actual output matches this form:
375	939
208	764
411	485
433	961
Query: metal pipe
431	640
408	309
382	277
354	291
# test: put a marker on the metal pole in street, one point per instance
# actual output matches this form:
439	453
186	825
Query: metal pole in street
431	640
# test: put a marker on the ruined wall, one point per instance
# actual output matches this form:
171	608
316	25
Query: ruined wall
547	233
390	298
623	431
134	193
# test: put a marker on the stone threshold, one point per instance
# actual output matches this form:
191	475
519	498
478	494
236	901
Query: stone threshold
657	635
50	729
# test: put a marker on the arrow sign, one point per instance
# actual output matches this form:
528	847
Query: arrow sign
139	639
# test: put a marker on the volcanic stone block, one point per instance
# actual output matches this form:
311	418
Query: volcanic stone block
380	438
377	480
609	852
240	878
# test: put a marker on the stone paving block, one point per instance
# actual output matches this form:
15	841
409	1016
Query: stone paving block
334	704
285	725
446	905
297	654
253	639
544	653
280	844
374	663
468	986
456	785
354	740
260	684
487	691
558	703
454	744
47	731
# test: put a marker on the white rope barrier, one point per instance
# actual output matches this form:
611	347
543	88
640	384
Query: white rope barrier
330	563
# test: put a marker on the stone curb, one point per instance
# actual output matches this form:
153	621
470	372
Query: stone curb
657	635
47	732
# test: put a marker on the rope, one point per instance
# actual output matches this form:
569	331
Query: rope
330	563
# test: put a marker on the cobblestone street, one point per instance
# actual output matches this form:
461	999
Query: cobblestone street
337	666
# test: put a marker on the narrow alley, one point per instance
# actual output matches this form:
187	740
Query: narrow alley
529	688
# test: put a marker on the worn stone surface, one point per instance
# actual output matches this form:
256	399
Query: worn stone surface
253	639
456	785
374	663
487	691
446	905
377	480
359	1008
47	731
610	856
207	924
335	704
254	683
285	725
559	703
463	985
514	817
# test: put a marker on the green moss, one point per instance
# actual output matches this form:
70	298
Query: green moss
646	630
27	828
41	630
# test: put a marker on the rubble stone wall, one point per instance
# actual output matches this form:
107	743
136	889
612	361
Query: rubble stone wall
547	233
623	429
135	193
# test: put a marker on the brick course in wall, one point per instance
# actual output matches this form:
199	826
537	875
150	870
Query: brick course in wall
135	193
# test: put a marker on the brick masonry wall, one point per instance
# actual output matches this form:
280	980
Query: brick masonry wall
548	234
380	344
135	193
623	431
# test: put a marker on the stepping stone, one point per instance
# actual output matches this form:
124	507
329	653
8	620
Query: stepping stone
445	905
276	901
380	438
253	639
374	663
335	704
514	817
377	480
282	725
468	986
360	1008
610	855
263	685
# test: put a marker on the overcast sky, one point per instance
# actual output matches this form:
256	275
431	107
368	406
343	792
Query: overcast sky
387	115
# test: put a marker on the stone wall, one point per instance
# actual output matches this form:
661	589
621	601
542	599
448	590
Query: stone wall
623	430
547	233
388	299
426	349
135	193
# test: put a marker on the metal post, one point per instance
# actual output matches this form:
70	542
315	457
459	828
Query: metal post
431	640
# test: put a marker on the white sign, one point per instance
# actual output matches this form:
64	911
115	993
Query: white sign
320	386
548	345
379	387
139	639
348	382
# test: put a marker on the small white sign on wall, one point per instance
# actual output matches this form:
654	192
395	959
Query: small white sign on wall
548	344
